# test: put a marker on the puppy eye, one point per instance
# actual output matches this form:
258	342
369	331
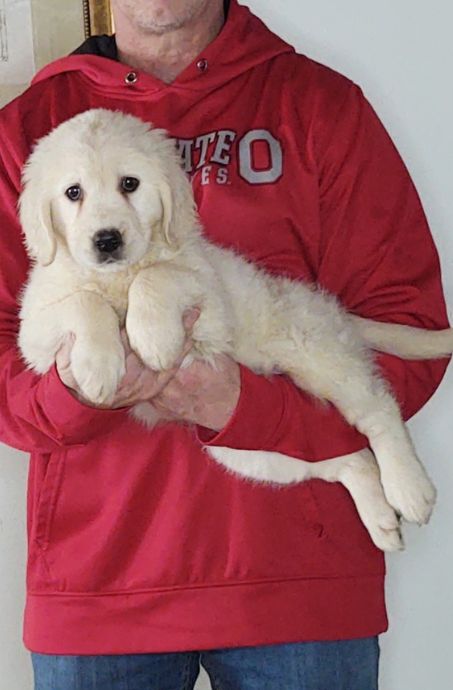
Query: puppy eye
129	184
74	193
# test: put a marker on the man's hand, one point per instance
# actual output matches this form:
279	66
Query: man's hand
199	394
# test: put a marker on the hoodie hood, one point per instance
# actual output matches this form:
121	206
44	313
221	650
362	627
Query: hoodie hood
243	43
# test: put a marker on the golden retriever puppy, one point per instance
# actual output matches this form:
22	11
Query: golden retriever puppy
109	218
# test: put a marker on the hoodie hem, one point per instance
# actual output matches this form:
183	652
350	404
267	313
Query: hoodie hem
236	615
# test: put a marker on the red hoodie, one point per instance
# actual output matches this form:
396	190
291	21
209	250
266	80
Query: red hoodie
138	542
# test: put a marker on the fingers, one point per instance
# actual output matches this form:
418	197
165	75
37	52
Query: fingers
130	382
189	319
140	383
163	378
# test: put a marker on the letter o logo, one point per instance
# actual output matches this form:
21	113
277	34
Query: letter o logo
246	169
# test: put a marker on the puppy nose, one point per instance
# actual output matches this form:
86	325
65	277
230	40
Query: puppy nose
108	240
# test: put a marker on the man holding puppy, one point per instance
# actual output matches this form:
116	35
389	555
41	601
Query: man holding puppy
145	558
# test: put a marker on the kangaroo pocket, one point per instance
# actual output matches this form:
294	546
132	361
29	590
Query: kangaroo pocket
141	510
45	479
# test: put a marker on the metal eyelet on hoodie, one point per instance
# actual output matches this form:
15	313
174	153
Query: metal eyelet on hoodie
131	78
202	65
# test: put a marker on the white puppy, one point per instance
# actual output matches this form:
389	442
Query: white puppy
109	217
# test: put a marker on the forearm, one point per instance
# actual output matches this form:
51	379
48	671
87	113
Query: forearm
38	413
272	414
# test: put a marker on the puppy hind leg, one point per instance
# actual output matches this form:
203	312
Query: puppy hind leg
359	474
260	465
364	400
374	412
406	483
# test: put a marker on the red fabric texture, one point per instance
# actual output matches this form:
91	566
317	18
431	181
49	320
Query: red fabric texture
138	541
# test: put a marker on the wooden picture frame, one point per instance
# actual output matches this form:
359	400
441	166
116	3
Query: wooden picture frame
97	17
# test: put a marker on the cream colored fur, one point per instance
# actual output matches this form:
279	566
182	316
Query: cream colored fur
268	323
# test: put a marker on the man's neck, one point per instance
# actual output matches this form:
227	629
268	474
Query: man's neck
167	55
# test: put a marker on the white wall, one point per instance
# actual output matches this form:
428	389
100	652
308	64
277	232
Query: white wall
400	53
57	29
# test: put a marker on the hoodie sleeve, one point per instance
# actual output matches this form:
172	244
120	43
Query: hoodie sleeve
378	257
37	413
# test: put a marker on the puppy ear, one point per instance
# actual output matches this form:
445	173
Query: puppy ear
36	220
167	201
179	216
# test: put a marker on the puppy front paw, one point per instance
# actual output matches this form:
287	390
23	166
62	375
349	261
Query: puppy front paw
158	345
97	370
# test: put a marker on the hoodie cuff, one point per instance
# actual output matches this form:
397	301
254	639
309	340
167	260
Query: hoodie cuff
73	421
274	415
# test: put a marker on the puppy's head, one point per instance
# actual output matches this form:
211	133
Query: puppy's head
108	187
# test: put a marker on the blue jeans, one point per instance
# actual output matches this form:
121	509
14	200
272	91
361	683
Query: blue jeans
344	665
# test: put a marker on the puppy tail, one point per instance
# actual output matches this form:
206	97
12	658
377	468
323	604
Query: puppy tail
406	342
